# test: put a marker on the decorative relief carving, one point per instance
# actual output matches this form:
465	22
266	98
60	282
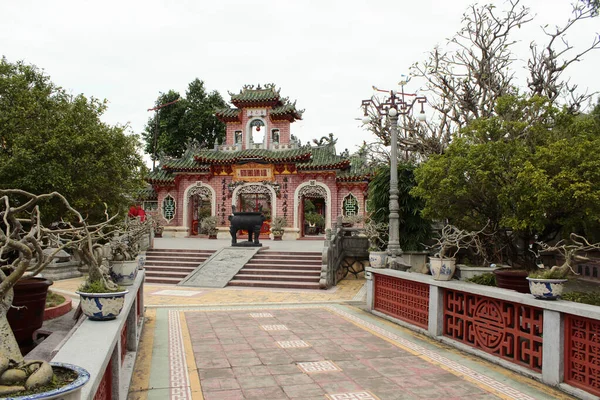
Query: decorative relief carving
312	192
200	189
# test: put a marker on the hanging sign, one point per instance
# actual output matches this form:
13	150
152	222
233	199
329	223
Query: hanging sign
253	172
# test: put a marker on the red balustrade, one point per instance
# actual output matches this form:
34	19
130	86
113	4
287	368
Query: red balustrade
402	299
104	391
582	353
508	330
123	343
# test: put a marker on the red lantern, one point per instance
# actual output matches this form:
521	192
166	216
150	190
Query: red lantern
258	128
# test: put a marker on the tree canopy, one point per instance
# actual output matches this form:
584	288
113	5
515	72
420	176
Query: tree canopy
190	118
53	141
532	170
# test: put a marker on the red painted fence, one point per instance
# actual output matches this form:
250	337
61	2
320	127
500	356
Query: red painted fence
508	330
582	353
402	299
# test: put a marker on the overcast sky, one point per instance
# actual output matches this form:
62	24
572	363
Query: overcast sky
324	54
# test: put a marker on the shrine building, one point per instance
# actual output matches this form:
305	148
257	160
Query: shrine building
260	167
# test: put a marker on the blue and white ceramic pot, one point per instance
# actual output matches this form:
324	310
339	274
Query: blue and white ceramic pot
546	289
102	306
123	273
442	269
72	391
377	259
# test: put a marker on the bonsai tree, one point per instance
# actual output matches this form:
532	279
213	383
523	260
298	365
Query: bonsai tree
377	234
209	225
452	240
571	250
277	226
22	242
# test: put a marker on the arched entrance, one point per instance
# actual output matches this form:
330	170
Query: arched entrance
256	198
312	210
199	204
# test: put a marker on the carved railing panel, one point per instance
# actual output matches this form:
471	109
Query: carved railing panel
582	353
505	329
402	299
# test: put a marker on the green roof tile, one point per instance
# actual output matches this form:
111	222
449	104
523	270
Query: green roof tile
228	114
324	158
146	193
160	177
286	111
249	94
216	157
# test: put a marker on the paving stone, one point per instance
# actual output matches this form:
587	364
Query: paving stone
344	386
224	395
257	370
268	393
213	384
304	391
212	363
252	382
216	373
293	379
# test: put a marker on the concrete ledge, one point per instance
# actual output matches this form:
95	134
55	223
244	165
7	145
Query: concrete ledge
92	345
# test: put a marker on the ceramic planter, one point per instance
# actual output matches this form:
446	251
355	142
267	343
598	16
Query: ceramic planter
124	272
377	259
72	391
27	313
102	306
507	278
442	269
546	289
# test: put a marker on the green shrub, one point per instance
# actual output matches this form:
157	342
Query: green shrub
487	279
583	297
96	287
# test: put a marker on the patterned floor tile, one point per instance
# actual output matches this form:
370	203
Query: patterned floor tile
318	366
270	328
292	344
261	315
352	396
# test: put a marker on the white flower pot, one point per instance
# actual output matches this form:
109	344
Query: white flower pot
546	289
377	259
102	306
442	269
124	272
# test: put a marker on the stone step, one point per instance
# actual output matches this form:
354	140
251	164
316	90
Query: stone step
259	271
305	267
191	264
275	284
281	261
183	259
171	251
287	257
162	279
176	268
171	274
289	253
281	278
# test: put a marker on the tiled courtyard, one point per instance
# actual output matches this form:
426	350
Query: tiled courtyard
312	352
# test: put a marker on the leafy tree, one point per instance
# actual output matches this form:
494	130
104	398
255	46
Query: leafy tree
414	229
53	141
191	117
531	170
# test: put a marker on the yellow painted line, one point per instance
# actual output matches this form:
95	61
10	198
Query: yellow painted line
190	360
140	381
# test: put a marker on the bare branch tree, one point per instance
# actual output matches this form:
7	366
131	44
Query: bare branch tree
548	63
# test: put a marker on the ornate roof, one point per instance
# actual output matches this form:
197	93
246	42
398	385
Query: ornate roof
321	158
160	177
146	194
286	111
234	157
324	158
250	96
228	114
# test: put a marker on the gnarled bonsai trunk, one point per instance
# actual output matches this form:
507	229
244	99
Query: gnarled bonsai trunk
9	348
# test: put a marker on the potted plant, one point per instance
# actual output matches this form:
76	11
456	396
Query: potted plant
209	225
548	283
316	222
22	241
376	233
277	227
451	240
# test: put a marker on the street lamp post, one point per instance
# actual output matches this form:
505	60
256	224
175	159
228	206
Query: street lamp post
392	106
